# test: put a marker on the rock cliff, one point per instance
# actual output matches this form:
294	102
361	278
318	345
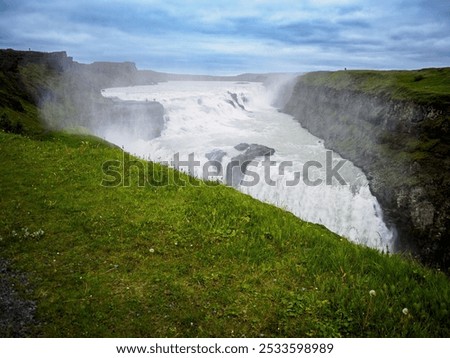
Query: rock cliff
68	93
401	144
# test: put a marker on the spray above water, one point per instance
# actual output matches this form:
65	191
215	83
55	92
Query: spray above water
227	122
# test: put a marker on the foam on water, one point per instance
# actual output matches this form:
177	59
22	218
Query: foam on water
203	116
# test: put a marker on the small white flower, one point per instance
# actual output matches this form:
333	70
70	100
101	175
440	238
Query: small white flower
372	293
152	250
405	311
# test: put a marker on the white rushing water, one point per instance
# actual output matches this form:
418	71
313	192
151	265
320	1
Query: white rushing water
204	116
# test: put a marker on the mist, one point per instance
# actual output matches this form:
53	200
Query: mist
239	119
76	103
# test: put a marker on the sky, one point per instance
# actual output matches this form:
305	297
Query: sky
232	37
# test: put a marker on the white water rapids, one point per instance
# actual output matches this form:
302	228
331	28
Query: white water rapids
204	116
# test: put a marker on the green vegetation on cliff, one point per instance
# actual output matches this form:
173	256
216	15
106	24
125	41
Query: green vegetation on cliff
196	260
18	112
427	86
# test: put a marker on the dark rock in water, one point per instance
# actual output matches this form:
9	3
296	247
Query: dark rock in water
238	165
241	146
235	100
215	162
216	155
230	102
257	150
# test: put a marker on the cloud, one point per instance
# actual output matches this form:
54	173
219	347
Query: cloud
233	36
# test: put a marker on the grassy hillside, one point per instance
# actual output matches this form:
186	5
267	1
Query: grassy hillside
195	260
427	86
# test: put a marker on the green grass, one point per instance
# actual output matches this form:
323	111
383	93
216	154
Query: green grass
199	260
427	86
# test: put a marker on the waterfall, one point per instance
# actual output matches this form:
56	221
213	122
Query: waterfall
220	120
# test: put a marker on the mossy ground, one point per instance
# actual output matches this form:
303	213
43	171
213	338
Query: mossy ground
190	260
426	86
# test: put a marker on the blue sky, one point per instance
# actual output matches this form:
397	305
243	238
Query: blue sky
230	37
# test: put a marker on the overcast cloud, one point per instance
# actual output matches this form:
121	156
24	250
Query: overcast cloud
229	37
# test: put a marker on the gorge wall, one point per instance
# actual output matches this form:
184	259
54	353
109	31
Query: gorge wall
401	144
68	94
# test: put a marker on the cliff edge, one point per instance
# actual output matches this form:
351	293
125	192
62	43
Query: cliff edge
395	126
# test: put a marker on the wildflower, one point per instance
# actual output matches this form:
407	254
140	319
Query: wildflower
152	250
372	293
405	311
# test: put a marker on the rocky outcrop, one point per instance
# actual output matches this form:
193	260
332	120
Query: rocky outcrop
235	170
68	93
238	165
235	100
402	146
11	59
251	151
216	155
